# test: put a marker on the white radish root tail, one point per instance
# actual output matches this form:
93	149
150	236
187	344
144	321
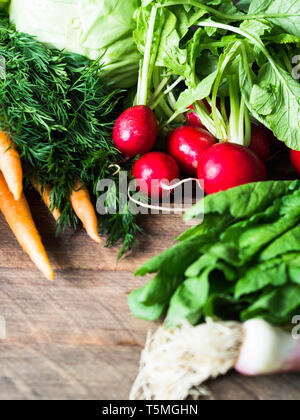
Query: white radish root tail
176	362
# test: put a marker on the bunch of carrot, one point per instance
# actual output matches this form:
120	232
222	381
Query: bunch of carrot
15	208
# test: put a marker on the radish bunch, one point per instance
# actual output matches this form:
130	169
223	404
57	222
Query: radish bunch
191	150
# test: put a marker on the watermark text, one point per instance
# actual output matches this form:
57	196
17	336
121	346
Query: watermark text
151	197
296	68
2	68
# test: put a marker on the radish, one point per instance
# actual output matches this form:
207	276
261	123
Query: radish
260	142
187	144
192	116
295	159
152	169
227	165
177	361
135	131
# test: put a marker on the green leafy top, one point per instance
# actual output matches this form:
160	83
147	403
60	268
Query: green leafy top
215	48
243	266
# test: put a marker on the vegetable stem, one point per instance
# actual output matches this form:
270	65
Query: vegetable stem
158	91
247	138
162	103
235	112
224	113
245	34
204	117
143	88
166	92
220	125
225	16
241	135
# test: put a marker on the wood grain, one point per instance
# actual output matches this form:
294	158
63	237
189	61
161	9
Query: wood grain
76	339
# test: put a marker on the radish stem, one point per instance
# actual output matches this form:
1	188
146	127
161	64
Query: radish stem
166	92
204	117
235	112
144	80
247	138
158	91
162	103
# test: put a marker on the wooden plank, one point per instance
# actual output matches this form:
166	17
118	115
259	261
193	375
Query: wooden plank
75	339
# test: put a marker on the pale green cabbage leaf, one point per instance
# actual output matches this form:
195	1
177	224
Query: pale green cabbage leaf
93	28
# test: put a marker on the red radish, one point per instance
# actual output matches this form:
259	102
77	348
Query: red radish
152	169
295	159
260	142
186	145
193	119
192	116
135	131
227	165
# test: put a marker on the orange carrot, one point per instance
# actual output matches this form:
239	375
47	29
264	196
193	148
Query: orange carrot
19	218
10	165
46	197
81	203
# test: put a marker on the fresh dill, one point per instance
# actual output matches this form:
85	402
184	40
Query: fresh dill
60	115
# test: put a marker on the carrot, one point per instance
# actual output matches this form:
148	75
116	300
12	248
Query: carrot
46	197
81	203
19	218
10	165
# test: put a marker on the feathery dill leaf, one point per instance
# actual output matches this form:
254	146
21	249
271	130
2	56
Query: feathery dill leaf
60	115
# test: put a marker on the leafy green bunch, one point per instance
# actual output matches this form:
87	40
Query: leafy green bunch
60	115
209	49
242	262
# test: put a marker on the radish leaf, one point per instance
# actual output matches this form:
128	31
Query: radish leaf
288	13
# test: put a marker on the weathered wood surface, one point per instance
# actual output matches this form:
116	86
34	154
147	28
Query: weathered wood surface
75	339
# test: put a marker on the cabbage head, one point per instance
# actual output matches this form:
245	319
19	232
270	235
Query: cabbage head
93	28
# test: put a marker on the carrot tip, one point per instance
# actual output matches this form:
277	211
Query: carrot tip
50	275
95	238
17	196
16	192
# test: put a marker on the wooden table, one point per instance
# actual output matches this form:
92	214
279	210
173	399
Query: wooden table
75	339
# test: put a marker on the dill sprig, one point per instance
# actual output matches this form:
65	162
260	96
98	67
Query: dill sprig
60	115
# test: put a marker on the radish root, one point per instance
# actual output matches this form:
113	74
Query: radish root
176	362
